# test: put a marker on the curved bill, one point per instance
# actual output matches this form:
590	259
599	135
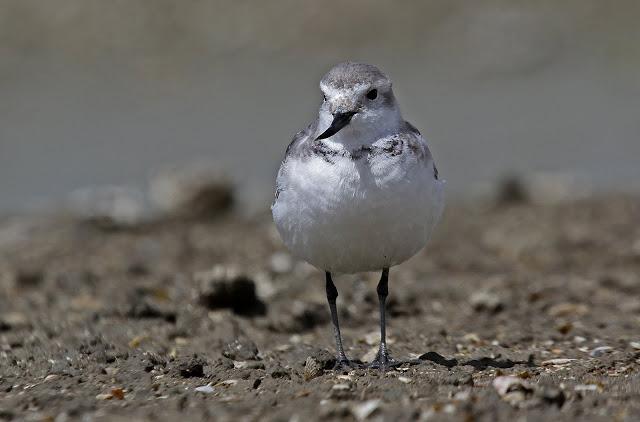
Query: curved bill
340	120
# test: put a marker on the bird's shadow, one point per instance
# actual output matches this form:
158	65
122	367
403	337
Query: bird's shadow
477	363
438	359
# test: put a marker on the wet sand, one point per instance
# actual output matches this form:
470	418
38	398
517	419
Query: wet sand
514	310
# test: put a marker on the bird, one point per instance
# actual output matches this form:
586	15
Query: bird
358	189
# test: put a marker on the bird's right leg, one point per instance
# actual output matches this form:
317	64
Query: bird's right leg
332	294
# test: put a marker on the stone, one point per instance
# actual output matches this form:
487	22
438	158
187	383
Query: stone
207	389
241	350
600	351
362	411
279	372
568	309
191	367
558	362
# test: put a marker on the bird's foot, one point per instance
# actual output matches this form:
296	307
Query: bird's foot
385	364
383	361
344	364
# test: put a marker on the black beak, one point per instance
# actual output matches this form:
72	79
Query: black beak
340	120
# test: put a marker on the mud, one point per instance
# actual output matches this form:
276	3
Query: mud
513	311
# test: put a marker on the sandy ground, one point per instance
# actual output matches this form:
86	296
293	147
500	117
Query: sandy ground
515	311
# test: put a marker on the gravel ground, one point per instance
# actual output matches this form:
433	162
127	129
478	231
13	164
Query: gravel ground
514	311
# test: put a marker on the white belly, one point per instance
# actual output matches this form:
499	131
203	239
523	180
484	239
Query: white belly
355	216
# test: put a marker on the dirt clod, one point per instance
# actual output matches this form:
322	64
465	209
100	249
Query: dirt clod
279	372
241	349
146	309
191	367
223	287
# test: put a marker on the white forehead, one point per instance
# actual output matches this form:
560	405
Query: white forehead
331	91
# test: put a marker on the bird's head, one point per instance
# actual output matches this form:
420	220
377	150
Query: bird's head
358	96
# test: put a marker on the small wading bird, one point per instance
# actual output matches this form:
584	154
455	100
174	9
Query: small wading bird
358	189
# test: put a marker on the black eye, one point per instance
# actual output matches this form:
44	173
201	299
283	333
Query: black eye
373	94
324	97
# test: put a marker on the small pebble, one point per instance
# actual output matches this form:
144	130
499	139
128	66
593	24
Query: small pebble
600	351
567	309
472	338
462	395
586	387
226	383
248	365
207	389
281	263
279	372
512	389
362	411
486	301
559	361
241	350
506	383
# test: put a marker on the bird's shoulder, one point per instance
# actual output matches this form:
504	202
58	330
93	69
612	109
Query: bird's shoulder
406	141
300	142
407	144
297	149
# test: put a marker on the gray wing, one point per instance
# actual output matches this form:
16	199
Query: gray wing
297	149
299	142
419	145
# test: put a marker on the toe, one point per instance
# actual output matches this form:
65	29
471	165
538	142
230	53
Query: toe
345	365
384	362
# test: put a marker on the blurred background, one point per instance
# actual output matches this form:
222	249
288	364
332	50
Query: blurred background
97	93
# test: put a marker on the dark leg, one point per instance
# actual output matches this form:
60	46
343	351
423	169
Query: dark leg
383	360
332	294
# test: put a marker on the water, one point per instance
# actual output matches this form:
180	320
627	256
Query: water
99	96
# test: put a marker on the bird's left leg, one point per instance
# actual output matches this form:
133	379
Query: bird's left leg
383	360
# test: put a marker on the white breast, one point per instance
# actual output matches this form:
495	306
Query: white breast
357	215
